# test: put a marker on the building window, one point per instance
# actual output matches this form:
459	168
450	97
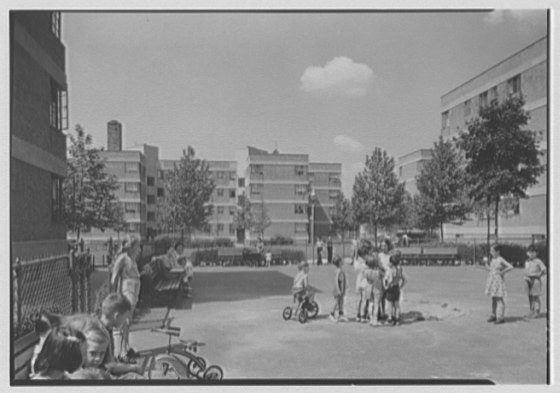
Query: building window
232	229
131	207
493	94
467	108
151	181
231	211
232	193
133	227
334	179
151	199
256	189
445	119
514	86
220	210
56	205
300	189
220	174
58	107
300	170
160	192
55	23
151	216
300	227
220	192
131	167
232	175
219	228
132	187
333	194
483	100
241	182
257	170
299	209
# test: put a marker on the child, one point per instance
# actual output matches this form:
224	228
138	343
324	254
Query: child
300	287
268	257
365	248
394	281
339	291
184	263
374	289
125	279
61	353
534	270
495	284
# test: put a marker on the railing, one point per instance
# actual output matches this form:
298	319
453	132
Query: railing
56	284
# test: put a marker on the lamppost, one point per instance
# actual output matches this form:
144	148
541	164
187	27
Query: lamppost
312	198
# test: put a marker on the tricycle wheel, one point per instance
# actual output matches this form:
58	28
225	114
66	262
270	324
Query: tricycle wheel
302	317
213	373
287	313
196	366
312	309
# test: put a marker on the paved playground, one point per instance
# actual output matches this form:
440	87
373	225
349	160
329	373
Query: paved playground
444	334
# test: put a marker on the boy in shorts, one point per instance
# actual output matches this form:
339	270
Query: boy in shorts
393	282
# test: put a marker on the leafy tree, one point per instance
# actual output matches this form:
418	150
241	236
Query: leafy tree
407	217
442	185
188	188
502	157
119	223
88	190
378	195
342	217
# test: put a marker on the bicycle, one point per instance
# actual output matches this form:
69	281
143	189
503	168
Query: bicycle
171	358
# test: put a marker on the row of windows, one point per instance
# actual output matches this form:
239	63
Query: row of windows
279	170
221	210
225	175
513	87
220	228
221	191
58	116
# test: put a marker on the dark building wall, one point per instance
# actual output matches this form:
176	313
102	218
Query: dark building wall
114	136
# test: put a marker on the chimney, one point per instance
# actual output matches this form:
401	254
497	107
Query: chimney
114	136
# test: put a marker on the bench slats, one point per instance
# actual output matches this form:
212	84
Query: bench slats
23	343
23	359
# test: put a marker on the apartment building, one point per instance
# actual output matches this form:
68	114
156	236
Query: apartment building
525	73
410	165
38	118
281	184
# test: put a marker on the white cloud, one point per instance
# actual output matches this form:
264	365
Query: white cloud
340	76
347	143
525	17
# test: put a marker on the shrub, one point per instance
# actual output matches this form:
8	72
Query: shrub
542	251
204	255
292	255
515	254
279	240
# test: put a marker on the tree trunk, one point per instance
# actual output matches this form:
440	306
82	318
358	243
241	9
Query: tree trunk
441	231
487	230
343	244
375	233
496	211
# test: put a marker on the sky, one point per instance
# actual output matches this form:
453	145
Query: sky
332	85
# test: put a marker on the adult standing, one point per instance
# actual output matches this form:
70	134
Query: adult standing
125	279
329	250
319	252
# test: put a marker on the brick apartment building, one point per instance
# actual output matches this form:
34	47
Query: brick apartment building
38	116
524	73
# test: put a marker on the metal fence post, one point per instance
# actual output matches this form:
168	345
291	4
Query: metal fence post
17	282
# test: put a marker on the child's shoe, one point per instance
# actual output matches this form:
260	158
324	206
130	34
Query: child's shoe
492	318
499	321
333	318
342	318
374	324
397	322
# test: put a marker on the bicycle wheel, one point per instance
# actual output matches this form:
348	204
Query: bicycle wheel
287	313
196	366
312	309
214	373
168	367
302	317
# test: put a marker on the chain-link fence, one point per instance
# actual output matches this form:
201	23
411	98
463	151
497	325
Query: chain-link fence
57	284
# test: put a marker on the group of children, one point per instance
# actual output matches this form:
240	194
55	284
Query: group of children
496	287
380	279
81	346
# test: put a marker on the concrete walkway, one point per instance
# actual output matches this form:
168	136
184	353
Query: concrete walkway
238	313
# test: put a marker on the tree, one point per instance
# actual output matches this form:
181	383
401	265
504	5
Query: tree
119	224
88	190
243	219
188	188
342	217
261	219
502	157
378	195
442	185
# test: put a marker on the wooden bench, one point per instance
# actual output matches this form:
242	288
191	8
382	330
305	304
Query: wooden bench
23	352
156	280
429	255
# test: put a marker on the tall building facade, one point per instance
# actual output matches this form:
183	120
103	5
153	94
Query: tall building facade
281	184
523	74
410	165
38	116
